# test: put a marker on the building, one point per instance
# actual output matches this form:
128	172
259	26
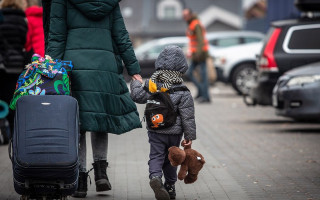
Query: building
260	13
147	19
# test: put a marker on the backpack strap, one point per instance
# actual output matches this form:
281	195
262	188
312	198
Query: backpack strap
177	89
146	89
171	90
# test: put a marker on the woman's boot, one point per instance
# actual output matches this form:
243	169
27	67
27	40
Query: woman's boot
100	176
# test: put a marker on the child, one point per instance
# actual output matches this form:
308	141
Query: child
170	66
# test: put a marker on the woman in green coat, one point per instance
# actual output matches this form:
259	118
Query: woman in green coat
93	36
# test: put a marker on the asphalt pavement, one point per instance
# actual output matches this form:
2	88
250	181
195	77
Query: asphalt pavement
250	154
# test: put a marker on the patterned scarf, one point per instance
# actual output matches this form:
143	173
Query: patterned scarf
167	77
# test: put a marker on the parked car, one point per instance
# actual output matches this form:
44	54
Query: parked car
237	65
225	39
297	93
148	52
289	44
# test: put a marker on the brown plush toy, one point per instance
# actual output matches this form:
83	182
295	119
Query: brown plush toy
190	160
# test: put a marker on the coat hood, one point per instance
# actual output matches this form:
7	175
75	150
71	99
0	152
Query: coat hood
172	58
95	9
34	11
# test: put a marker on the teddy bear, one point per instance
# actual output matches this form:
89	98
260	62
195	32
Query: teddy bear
190	160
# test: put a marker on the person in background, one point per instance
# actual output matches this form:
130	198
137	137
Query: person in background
92	34
198	52
35	35
13	31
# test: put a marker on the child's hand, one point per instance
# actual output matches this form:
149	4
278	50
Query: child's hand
137	77
186	143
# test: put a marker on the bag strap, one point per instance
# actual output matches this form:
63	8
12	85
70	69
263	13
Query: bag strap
171	90
10	149
177	89
146	89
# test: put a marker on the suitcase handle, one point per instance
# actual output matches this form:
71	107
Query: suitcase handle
10	149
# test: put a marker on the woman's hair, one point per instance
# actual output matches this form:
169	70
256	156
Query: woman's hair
17	4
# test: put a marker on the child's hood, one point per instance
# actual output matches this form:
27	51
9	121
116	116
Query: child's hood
95	9
172	58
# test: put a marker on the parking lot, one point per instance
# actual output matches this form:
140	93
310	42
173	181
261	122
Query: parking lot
250	154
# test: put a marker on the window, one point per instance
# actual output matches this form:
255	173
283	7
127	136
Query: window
154	52
169	10
251	39
302	39
226	42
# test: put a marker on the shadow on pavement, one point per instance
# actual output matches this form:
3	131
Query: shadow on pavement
284	121
299	130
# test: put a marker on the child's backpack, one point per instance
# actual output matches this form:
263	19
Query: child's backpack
159	112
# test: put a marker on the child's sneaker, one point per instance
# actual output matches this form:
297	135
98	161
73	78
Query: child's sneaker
171	189
159	191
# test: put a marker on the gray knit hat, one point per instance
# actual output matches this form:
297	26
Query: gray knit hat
172	58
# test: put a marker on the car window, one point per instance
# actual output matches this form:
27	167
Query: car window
183	46
144	47
227	42
154	52
303	39
251	39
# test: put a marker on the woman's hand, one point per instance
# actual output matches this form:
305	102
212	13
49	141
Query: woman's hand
137	77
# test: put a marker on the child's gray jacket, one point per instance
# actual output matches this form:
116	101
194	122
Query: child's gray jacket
183	105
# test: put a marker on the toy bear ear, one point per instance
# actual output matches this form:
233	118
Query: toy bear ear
176	155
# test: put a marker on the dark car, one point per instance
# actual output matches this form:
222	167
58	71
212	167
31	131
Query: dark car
297	93
290	44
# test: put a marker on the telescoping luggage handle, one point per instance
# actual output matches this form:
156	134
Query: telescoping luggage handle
10	149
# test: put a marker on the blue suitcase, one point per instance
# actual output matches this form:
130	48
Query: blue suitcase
45	146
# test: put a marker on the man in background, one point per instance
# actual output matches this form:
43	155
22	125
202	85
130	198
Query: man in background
198	52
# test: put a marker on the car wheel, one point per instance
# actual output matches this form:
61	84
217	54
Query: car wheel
244	77
4	139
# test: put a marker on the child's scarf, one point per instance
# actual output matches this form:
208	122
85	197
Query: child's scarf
167	77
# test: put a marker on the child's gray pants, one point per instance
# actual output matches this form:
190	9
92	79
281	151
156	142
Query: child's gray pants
99	143
159	162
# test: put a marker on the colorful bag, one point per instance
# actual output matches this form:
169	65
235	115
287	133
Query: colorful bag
44	76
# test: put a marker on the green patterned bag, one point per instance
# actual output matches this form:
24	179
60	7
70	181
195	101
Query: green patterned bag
44	76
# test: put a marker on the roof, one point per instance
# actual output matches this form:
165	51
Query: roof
234	33
291	22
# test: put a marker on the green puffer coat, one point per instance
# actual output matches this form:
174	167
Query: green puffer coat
92	34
